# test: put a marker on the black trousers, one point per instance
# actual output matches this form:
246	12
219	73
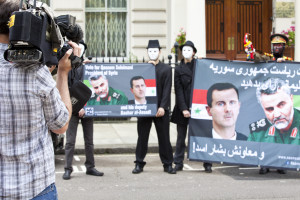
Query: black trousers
162	125
180	144
88	129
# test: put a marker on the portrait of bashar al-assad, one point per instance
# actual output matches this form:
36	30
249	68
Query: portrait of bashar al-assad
138	88
223	106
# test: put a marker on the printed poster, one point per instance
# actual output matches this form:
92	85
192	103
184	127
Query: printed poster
255	124
121	90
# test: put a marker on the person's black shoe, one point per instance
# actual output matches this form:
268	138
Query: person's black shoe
169	169
281	171
94	172
178	167
67	174
208	169
263	170
138	169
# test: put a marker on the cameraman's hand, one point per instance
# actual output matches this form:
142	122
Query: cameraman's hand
64	64
76	48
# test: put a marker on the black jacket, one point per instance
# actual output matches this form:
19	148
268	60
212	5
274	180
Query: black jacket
76	74
183	83
163	85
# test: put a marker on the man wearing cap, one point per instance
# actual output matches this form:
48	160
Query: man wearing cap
161	120
282	121
278	44
103	94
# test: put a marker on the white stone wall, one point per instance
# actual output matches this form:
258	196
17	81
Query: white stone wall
283	24
189	15
178	19
72	7
154	19
280	24
148	20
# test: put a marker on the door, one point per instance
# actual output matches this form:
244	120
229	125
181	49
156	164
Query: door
228	21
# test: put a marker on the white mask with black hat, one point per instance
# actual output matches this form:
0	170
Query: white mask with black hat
153	53
187	52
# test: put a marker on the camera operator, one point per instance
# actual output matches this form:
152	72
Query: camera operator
31	104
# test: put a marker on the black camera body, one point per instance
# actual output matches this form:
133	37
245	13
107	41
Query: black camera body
27	41
75	60
71	31
37	37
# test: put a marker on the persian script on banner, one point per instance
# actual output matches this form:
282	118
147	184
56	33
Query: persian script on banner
267	117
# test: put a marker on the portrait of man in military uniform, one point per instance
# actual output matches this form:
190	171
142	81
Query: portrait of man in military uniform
223	106
103	94
282	121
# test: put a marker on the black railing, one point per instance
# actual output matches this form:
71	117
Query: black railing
135	59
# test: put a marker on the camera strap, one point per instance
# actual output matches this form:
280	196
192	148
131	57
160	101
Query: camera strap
55	35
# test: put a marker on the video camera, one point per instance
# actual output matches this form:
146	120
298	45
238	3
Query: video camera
36	36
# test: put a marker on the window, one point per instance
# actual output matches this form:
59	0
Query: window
106	28
45	1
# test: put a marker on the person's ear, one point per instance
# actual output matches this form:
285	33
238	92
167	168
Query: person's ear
131	90
208	110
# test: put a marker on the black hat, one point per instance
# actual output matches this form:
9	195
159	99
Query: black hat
190	44
278	38
153	44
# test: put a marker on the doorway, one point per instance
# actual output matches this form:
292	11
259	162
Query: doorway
228	21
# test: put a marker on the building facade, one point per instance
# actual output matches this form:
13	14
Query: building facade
120	29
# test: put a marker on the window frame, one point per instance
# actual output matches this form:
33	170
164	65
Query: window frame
106	10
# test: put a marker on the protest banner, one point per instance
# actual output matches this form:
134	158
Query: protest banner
112	92
265	120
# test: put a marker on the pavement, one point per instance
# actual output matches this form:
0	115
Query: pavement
119	137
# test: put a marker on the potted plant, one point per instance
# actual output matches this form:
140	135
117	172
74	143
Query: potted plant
290	45
180	39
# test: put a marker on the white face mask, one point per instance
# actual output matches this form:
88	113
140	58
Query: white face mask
187	52
153	53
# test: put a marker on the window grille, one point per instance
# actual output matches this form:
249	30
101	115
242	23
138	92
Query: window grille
45	1
106	28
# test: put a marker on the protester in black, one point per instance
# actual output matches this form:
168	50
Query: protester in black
161	120
181	113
